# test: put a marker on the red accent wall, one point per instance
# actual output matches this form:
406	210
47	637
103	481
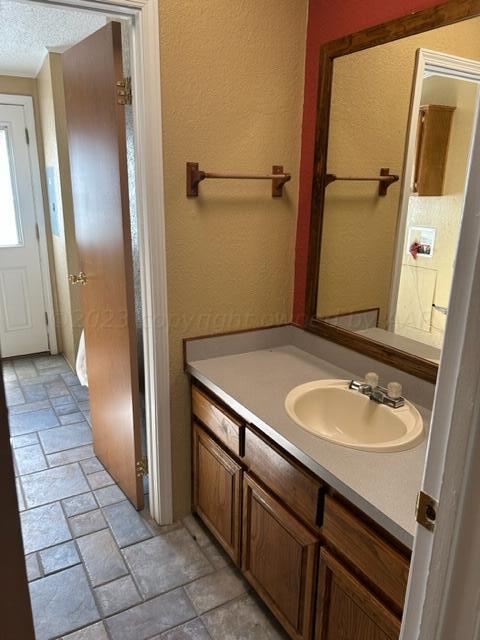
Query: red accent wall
328	20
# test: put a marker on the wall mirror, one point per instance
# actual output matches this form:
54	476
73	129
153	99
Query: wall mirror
396	114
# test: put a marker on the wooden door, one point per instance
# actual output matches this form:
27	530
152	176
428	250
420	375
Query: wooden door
347	610
279	559
97	147
217	481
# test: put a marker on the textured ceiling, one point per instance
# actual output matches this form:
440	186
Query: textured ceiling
27	29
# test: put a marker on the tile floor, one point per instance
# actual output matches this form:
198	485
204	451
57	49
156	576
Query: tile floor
98	570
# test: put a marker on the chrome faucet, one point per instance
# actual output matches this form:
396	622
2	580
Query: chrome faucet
391	396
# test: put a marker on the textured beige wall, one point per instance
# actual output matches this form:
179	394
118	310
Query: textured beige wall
28	87
53	124
232	83
370	109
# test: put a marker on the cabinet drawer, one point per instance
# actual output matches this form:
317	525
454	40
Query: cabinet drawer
347	610
279	559
293	485
379	561
224	426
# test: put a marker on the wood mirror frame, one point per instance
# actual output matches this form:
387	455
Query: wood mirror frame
419	22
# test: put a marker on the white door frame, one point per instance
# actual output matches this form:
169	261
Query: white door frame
440	64
444	586
27	103
151	228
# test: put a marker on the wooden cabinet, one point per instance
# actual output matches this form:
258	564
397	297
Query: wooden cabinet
379	561
433	135
217	491
347	610
279	559
271	515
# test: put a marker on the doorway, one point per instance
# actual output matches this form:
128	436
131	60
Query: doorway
44	394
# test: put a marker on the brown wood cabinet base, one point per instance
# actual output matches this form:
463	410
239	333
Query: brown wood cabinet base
324	570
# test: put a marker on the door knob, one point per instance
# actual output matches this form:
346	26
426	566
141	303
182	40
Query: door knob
79	278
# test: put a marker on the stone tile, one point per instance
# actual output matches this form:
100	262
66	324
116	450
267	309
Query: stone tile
69	437
194	630
216	555
70	379
24	441
88	416
66	409
57	389
9	374
79	504
33	568
100	479
165	562
61	603
93	632
86	523
117	595
79	393
35	392
152	617
109	495
103	561
198	532
69	418
13	394
29	407
24	369
43	363
215	589
126	525
241	619
84	405
60	400
21	423
93	465
59	557
20	499
44	527
53	484
70	455
40	379
30	459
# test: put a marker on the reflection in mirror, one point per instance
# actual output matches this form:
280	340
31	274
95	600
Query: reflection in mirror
387	256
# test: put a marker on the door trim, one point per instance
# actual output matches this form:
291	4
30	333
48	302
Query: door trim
27	103
147	103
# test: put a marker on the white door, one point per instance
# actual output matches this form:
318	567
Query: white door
23	327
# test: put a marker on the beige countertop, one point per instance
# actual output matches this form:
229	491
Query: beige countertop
255	384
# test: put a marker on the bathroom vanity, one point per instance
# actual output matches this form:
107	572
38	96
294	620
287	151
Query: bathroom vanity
322	532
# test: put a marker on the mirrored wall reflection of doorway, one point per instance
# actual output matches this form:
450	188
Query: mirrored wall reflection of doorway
445	102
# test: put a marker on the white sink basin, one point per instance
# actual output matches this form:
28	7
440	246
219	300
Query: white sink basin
330	410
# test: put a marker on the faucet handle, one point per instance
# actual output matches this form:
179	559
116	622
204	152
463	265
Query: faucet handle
394	390
371	379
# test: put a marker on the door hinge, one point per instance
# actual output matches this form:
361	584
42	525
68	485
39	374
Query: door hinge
37	231
124	91
142	467
46	318
426	511
27	136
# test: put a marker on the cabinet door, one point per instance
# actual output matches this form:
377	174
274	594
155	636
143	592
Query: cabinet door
279	559
347	610
217	491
